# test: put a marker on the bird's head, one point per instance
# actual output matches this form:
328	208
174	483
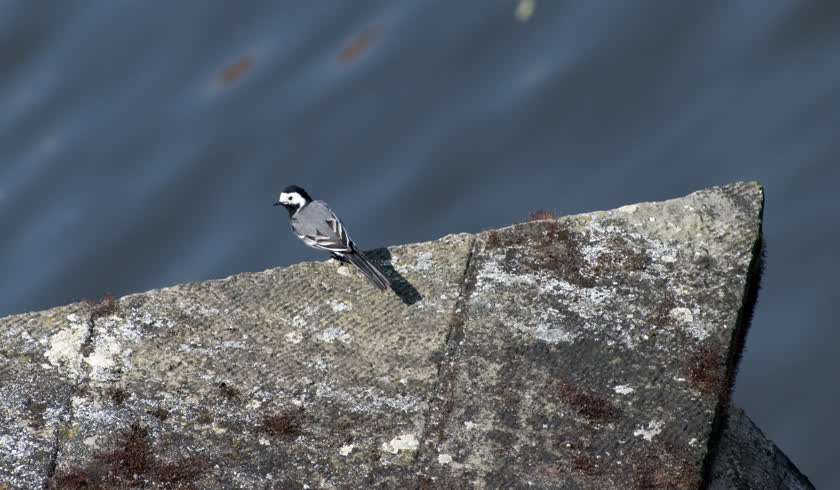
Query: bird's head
293	198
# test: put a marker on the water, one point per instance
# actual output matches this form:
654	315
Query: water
142	143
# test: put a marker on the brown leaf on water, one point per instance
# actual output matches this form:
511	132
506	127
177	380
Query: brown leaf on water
236	70
359	45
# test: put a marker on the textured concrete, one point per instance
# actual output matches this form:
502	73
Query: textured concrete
35	408
597	349
594	350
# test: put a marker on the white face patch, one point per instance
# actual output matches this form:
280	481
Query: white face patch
292	198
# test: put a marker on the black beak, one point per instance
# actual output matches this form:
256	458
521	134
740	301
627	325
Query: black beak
278	203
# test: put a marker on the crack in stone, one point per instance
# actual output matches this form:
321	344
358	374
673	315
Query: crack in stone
447	368
85	349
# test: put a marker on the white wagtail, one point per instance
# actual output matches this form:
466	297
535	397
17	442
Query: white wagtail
316	224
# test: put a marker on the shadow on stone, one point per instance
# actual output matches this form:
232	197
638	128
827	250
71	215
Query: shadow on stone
401	287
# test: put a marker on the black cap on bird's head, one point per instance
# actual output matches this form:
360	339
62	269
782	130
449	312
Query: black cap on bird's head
293	198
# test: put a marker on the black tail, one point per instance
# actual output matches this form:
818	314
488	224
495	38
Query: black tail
376	276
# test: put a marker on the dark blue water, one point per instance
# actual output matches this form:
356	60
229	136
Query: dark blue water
142	143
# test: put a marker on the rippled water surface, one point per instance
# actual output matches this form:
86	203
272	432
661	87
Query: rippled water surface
142	143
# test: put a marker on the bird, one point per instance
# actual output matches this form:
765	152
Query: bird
318	226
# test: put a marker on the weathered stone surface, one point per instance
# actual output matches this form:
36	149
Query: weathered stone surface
289	377
34	396
593	350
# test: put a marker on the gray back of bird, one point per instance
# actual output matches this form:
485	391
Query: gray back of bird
314	219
